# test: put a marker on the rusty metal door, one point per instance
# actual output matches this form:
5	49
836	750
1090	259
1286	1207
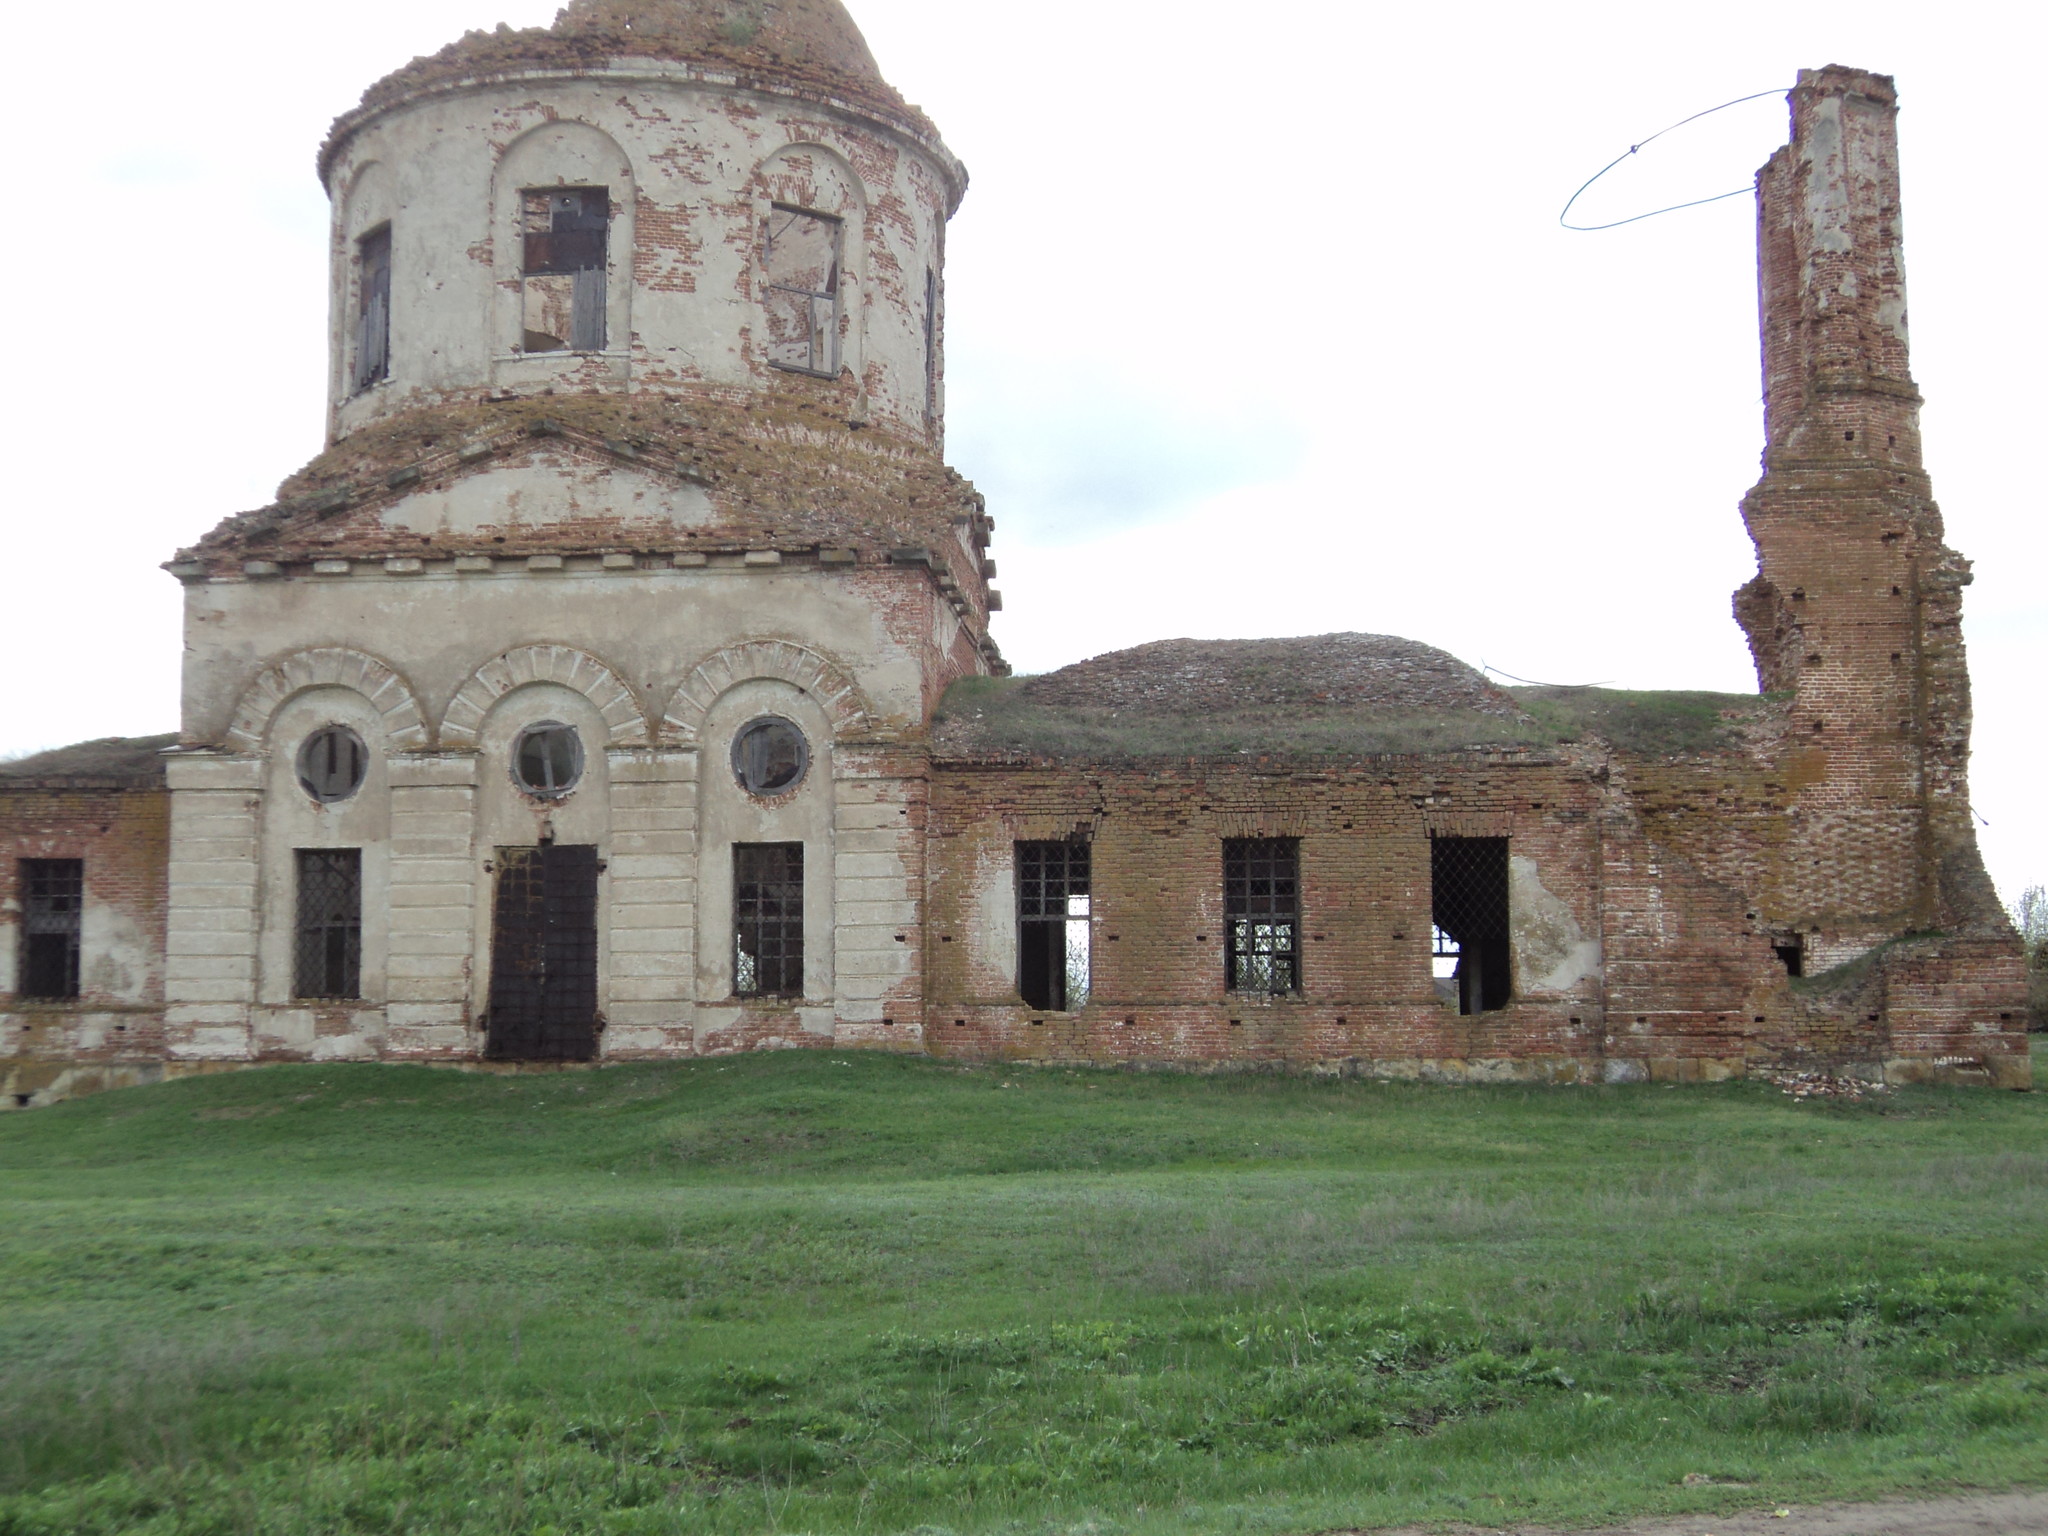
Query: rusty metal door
544	955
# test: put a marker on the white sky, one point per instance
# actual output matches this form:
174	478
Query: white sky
1260	322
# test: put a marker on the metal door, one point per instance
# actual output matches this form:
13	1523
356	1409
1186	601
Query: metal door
544	955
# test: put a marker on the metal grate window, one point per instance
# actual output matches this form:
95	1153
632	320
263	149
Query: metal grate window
1052	925
328	962
1262	912
52	922
768	920
1468	915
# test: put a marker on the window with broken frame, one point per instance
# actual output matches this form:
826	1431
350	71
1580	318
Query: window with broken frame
1053	924
566	231
800	258
1468	917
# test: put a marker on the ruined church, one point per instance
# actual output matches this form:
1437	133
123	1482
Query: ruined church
618	683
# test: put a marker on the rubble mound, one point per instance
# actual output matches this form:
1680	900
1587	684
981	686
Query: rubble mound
123	761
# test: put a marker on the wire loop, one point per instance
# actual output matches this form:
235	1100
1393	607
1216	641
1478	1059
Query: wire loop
1718	197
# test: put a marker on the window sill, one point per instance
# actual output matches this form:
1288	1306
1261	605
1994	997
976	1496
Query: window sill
807	373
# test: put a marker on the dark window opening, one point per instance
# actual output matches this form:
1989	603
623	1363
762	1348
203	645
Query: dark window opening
329	954
801	259
1791	950
52	926
332	764
770	757
373	307
931	346
1053	911
544	955
547	760
566	230
768	919
1468	906
1262	908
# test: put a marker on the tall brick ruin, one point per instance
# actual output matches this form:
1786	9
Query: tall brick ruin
619	683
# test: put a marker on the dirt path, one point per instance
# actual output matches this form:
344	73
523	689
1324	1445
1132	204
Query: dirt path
1990	1514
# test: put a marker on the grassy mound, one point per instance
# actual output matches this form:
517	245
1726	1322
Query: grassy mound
842	1292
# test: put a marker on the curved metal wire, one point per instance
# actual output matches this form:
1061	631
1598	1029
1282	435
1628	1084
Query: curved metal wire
1718	197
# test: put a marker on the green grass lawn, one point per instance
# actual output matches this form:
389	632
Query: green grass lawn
855	1293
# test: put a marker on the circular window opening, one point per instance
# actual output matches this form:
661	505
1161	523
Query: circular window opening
547	760
332	764
770	757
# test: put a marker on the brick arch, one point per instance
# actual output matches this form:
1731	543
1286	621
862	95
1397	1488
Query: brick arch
625	724
781	660
405	726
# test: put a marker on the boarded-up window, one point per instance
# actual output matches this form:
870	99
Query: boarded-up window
52	923
373	307
328	961
564	289
768	920
1262	912
1052	925
802	260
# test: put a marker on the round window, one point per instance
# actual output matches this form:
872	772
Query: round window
332	764
547	760
770	757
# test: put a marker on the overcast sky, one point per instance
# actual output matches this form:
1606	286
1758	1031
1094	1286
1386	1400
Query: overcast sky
1261	323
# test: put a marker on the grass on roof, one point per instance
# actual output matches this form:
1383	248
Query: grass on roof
844	1292
997	716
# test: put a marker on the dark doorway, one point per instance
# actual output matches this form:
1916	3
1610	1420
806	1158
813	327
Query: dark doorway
544	955
1052	925
1468	914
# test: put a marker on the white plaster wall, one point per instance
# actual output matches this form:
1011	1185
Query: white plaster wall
653	627
692	169
1551	952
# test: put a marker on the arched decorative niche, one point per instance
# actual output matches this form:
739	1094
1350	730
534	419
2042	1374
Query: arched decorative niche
401	722
344	838
624	725
810	255
822	680
540	169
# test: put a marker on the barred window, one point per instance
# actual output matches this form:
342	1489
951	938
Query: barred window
1053	925
566	230
1262	913
768	920
52	921
1468	915
801	257
328	963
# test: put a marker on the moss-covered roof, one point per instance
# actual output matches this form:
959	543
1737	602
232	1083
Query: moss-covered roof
780	468
810	46
1325	696
127	762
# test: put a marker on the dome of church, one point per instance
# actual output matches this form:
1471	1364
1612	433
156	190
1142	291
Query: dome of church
812	46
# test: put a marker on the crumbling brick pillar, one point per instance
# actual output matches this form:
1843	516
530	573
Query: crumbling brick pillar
1855	610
